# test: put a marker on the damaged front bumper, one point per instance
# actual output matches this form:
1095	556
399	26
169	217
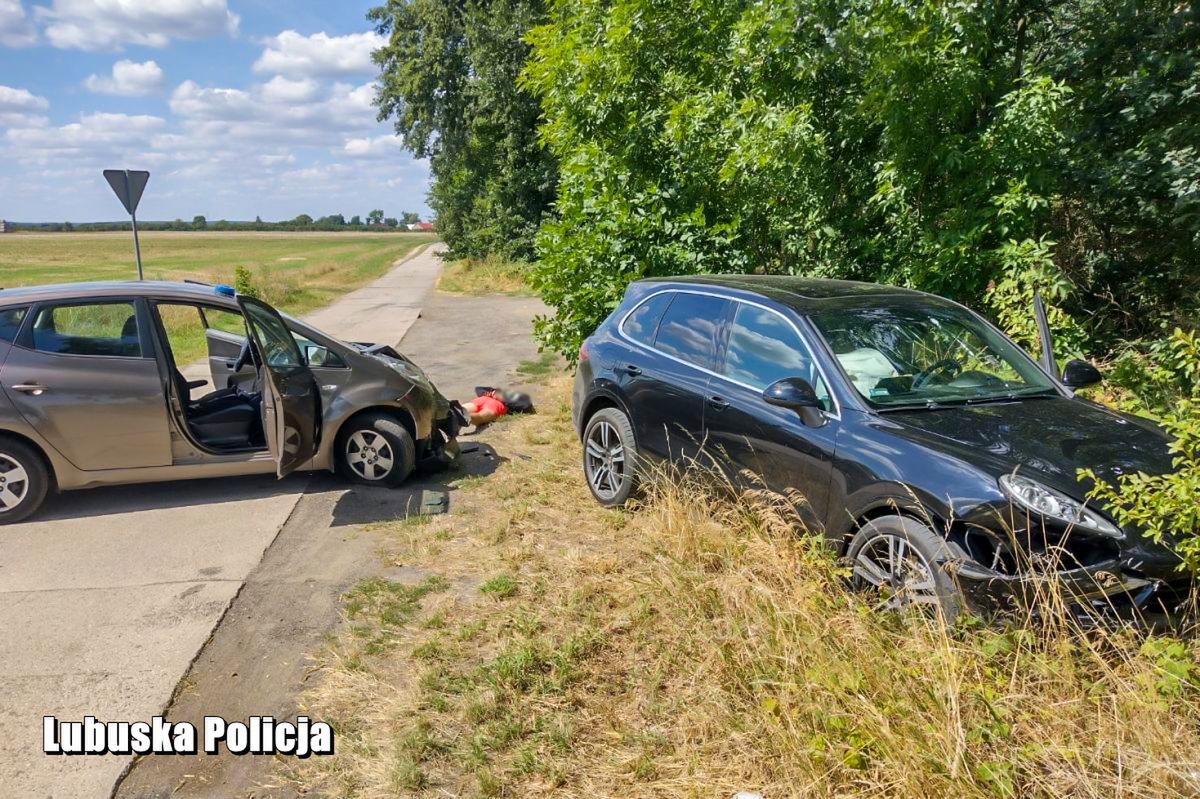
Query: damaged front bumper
1092	594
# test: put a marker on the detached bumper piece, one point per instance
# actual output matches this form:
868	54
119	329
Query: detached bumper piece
1093	594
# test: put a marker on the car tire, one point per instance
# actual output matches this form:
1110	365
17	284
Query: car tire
610	457
922	580
375	450
24	480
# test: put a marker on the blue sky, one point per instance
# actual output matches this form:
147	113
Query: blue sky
239	108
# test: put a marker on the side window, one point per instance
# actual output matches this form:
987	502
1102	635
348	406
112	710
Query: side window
105	328
224	321
10	323
688	329
275	342
763	347
642	324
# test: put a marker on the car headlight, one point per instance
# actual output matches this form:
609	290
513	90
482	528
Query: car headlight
1053	504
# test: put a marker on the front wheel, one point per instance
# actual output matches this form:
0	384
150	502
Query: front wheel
610	457
375	450
24	481
900	560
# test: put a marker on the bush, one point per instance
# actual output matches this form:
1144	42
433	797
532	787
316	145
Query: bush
243	282
1166	506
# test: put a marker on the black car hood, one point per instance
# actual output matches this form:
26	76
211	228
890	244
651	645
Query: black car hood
1052	437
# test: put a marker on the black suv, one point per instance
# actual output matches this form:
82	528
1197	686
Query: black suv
933	453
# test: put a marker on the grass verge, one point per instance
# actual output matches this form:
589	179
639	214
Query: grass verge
477	277
698	647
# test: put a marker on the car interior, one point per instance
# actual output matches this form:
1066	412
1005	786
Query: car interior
229	418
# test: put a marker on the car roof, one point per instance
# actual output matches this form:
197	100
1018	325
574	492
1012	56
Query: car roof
804	294
194	292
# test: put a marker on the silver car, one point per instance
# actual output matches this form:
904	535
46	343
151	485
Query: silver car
93	393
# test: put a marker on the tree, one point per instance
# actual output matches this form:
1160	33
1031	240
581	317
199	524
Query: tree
410	218
199	222
303	220
333	220
391	221
375	217
356	220
449	82
978	150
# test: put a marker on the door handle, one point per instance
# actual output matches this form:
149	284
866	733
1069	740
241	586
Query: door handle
717	404
30	388
633	369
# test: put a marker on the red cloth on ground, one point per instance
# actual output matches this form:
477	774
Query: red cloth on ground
489	404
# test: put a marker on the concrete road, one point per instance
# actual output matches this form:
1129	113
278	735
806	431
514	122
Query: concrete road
108	596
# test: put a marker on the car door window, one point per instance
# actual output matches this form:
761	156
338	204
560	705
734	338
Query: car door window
97	329
279	348
642	324
10	323
689	326
764	347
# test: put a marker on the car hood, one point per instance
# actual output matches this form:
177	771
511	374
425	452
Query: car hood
1049	438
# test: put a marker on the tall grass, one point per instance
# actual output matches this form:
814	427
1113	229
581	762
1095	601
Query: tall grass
697	646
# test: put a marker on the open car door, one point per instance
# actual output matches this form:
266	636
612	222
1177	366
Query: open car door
291	398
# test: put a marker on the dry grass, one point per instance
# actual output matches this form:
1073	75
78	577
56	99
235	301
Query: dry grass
697	647
484	276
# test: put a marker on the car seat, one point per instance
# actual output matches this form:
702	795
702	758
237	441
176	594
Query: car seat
226	418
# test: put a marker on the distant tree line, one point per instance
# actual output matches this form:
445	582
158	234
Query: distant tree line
376	222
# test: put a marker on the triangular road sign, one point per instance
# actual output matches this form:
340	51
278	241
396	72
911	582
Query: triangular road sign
128	185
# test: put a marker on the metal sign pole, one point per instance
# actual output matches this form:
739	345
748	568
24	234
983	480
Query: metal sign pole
137	251
128	185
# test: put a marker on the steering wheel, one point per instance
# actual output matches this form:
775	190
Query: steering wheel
948	365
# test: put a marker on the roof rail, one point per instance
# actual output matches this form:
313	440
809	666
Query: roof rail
197	282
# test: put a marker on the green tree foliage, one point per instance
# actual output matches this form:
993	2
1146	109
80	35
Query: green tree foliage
410	217
199	222
375	217
980	150
449	83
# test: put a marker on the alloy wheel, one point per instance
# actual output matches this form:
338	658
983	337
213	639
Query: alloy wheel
14	483
369	454
891	565
605	460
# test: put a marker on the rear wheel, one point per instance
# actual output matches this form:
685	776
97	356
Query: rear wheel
24	481
375	450
901	561
610	457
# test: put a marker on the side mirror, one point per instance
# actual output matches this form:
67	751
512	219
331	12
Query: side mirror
315	355
796	394
1080	374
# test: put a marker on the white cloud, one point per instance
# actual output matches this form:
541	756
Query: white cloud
279	111
95	139
285	90
291	53
129	79
21	108
110	24
371	146
16	29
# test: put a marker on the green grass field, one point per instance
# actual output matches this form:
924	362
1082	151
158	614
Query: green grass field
296	272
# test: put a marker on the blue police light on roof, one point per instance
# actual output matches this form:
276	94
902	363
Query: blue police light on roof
225	290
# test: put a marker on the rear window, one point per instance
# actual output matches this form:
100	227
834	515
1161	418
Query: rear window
10	322
688	330
108	328
642	324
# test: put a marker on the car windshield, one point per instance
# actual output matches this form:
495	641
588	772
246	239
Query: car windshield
926	355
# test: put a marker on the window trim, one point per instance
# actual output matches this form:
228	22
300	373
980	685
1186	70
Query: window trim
836	413
24	338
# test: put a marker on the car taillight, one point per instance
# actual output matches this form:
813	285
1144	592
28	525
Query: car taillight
583	353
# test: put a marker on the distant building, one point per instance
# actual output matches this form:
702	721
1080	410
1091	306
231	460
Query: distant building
3	226
423	226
